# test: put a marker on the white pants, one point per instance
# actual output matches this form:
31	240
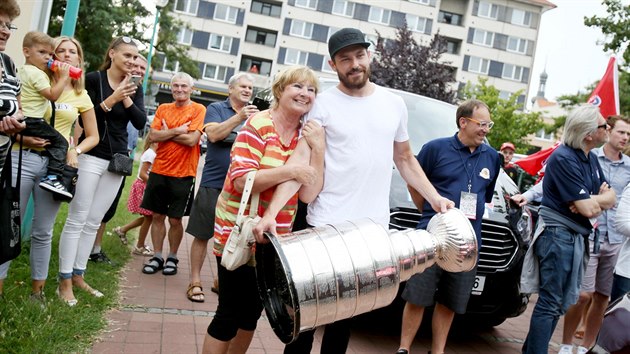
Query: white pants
95	191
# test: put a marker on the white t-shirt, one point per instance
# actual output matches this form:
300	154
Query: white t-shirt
147	156
360	135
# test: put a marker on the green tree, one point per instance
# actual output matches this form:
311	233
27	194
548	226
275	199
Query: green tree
405	65
615	26
511	124
99	21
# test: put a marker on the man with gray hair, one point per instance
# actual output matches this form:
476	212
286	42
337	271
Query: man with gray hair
169	190
575	193
223	120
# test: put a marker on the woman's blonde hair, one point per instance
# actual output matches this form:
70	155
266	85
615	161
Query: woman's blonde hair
78	84
292	74
117	42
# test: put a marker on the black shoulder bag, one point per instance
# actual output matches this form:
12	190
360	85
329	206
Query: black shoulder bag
10	221
120	164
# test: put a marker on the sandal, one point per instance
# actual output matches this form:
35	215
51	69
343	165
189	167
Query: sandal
142	251
170	267
153	266
195	296
122	235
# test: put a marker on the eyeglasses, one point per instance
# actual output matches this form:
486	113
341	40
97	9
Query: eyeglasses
604	126
483	125
7	26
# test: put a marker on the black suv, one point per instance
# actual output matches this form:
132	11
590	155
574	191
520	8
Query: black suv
506	229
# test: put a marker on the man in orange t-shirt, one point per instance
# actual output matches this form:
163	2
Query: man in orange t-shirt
169	191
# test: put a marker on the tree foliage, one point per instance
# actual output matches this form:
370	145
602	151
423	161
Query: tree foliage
99	21
405	65
510	123
615	26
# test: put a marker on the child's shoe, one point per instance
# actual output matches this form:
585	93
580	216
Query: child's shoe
52	184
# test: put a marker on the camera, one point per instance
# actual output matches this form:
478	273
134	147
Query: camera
260	103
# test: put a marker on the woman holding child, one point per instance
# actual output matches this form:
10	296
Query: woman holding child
117	101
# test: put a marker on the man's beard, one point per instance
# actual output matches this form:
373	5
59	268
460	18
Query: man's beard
356	84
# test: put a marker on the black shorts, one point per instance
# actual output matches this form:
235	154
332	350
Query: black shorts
437	285
201	221
170	196
239	305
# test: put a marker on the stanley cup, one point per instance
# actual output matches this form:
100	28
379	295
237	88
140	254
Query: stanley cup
325	274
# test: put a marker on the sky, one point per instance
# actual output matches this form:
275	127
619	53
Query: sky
568	50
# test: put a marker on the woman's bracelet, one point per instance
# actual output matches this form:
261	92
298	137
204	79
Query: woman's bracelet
107	109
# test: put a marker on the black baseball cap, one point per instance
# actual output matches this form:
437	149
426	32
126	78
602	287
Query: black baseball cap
346	37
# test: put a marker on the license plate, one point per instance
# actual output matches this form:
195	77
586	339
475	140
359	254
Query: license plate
480	281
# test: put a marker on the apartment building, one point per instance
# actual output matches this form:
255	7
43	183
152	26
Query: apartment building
487	38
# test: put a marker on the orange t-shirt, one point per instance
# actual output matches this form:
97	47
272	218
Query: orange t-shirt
174	159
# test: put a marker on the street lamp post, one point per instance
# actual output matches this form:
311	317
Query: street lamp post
159	4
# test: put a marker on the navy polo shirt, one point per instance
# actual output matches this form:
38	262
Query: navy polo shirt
218	154
571	175
449	165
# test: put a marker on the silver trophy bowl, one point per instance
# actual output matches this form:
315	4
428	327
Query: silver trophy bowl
325	274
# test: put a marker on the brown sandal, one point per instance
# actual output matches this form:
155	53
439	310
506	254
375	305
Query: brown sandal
195	296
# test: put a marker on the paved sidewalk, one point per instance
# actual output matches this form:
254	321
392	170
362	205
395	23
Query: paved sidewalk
156	317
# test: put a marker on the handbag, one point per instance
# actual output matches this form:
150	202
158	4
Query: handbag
120	164
10	223
238	248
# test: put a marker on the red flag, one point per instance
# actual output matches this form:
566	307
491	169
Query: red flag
606	94
534	162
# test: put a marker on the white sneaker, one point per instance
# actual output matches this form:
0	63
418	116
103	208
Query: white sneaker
582	350
566	349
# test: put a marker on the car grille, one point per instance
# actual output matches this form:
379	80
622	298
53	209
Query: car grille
499	245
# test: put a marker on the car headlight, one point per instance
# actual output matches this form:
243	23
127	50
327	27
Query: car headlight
524	226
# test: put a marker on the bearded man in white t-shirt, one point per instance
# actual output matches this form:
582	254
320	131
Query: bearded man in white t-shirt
366	131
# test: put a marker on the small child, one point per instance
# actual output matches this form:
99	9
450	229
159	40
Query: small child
36	95
135	199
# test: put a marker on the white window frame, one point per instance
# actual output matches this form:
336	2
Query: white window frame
225	41
185	35
165	67
348	8
478	65
231	13
520	43
504	95
489	9
218	71
423	2
541	135
483	37
512	72
294	56
414	22
379	15
301	29
326	67
307	4
521	18
190	7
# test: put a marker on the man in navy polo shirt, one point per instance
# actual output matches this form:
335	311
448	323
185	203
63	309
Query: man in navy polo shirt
463	169
575	193
223	120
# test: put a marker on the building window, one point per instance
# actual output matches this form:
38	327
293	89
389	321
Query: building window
261	36
517	45
214	72
220	43
545	136
424	2
185	36
301	29
417	24
170	67
478	65
452	45
483	37
450	18
225	13
263	66
512	72
187	6
343	8
308	4
521	18
326	67
379	15
294	56
487	9
504	95
266	8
